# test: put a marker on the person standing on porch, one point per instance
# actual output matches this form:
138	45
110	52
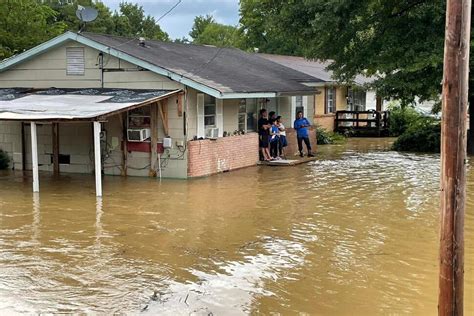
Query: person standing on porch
283	142
264	127
301	126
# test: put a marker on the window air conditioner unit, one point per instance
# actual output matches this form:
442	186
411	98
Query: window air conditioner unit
138	134
212	132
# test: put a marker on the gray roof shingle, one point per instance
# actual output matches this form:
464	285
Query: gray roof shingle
227	70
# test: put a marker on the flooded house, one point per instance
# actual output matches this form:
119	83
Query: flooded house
92	103
330	95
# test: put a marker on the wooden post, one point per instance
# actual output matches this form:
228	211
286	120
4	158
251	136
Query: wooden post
453	157
23	147
55	133
34	157
470	137
164	115
153	138
97	159
123	122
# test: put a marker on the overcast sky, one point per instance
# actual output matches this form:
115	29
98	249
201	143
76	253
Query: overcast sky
178	22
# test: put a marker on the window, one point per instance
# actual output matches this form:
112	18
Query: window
75	62
299	107
330	100
359	100
247	115
209	111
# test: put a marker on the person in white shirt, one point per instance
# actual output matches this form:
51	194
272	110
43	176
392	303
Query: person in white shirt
283	142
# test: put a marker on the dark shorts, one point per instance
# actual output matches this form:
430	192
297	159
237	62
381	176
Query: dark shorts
283	141
263	141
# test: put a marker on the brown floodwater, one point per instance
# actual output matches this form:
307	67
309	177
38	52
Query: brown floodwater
355	232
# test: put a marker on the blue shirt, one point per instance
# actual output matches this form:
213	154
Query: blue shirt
301	131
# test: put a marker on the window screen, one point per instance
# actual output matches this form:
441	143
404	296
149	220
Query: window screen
75	61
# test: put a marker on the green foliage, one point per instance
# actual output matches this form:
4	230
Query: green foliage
207	31
27	23
400	43
262	30
200	24
401	118
422	136
4	160
324	137
24	24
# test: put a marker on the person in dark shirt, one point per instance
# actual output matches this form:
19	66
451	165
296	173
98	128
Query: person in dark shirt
264	127
301	126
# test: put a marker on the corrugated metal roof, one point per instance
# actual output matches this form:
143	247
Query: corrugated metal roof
72	104
314	68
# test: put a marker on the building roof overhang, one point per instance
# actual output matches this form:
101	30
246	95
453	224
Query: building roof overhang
53	105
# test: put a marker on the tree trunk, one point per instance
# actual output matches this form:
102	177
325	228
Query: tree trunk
453	156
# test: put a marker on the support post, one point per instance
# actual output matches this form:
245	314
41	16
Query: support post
55	133
453	157
34	157
153	139
97	159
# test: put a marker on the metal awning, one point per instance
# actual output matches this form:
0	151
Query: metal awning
73	104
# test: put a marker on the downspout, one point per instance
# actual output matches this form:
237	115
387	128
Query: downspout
101	67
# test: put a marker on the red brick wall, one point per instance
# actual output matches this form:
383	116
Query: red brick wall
325	121
206	157
292	148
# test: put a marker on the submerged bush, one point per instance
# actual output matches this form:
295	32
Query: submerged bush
4	160
324	137
401	118
424	135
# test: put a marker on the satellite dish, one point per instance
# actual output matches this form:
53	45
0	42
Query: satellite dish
86	14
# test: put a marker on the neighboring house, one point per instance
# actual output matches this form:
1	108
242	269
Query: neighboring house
330	96
179	101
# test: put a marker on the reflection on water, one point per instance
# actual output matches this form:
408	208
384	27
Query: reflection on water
353	232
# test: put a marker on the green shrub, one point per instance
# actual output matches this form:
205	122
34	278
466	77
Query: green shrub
4	160
424	135
401	118
324	137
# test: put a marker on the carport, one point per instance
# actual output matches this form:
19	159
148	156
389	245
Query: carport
70	106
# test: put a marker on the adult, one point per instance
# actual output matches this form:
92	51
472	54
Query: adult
301	126
264	127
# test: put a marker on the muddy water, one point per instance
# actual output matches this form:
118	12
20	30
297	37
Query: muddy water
352	233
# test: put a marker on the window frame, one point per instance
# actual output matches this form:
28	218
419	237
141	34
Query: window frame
332	109
214	115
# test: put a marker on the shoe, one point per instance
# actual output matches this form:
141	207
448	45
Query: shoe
301	155
310	155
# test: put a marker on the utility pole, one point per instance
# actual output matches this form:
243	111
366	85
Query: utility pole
453	156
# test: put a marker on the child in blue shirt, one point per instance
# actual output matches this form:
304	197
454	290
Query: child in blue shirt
274	140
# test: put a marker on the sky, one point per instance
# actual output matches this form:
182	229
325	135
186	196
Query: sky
178	22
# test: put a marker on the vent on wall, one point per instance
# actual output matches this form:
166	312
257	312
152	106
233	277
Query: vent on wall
75	61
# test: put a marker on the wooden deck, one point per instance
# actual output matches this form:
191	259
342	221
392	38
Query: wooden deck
362	123
286	162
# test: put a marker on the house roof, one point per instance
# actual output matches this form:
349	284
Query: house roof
221	72
73	104
314	68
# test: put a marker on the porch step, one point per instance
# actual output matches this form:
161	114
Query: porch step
286	162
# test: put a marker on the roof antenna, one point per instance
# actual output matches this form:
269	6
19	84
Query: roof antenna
85	14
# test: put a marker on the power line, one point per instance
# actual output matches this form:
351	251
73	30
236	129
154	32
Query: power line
167	12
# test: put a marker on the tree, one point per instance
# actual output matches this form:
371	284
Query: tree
200	24
400	43
207	31
262	31
24	24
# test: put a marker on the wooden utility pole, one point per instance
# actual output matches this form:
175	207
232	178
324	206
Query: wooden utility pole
453	156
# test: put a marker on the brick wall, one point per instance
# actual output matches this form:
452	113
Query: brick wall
325	121
206	157
292	149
